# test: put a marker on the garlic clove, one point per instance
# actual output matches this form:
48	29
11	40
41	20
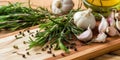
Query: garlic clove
111	19
100	38
117	24
103	25
86	35
112	31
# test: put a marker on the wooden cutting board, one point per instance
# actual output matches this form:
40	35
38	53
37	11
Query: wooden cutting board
84	52
7	42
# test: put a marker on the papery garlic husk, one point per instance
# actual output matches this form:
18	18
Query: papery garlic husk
86	35
117	15
84	18
112	31
103	25
60	7
100	38
111	19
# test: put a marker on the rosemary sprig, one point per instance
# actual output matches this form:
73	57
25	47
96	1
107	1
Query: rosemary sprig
15	16
56	32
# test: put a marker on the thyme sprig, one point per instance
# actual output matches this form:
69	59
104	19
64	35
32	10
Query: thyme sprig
56	32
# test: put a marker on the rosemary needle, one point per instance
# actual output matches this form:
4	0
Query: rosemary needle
56	31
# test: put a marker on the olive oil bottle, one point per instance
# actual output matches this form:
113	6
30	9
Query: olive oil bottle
102	6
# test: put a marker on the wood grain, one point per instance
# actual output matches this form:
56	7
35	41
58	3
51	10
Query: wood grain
84	52
97	51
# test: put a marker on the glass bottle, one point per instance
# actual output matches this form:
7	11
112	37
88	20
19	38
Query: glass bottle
102	6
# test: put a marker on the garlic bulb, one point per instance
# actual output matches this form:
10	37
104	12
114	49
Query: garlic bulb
103	25
112	31
86	35
100	38
84	18
118	24
62	6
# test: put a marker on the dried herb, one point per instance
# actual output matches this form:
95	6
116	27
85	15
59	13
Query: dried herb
38	53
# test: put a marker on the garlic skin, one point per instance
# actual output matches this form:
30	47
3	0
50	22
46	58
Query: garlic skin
117	24
117	15
103	25
86	35
84	18
60	7
100	38
112	31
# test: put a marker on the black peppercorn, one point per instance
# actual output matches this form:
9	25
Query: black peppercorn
20	32
16	47
28	31
43	49
62	54
23	56
75	49
27	53
53	55
49	52
23	34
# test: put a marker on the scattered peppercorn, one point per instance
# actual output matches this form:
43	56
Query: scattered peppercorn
23	34
51	46
28	31
62	54
27	53
53	55
37	31
16	47
23	56
20	32
75	49
49	52
67	47
16	36
43	49
47	46
24	42
71	46
32	35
